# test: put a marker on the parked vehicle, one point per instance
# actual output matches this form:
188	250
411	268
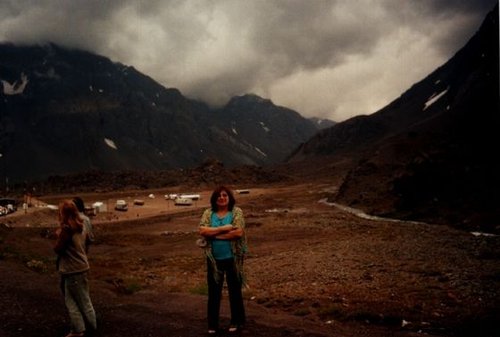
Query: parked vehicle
121	205
183	201
7	206
190	196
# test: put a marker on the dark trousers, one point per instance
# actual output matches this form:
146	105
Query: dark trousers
225	268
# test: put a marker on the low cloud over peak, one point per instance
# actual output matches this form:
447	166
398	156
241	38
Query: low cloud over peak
328	58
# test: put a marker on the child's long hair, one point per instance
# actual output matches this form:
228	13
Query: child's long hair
69	216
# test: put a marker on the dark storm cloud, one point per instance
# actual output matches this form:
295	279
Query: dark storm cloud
324	57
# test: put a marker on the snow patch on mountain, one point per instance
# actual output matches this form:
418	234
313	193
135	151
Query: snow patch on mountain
433	99
110	143
15	88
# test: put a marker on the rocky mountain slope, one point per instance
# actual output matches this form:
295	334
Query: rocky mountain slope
430	154
67	111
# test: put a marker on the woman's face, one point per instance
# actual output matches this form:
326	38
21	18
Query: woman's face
223	199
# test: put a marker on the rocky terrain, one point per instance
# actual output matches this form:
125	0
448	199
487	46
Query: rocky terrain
314	269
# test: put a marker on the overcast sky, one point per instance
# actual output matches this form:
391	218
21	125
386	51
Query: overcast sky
323	58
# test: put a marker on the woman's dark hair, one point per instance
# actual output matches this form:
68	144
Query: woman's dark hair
215	196
79	204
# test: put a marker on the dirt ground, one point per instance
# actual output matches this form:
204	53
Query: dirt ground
313	270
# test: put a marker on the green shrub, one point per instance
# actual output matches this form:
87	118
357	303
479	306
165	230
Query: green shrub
332	311
132	287
201	289
37	265
302	312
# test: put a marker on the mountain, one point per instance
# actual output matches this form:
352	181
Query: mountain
68	111
430	155
256	124
322	123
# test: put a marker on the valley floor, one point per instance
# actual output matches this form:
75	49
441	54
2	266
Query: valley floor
313	270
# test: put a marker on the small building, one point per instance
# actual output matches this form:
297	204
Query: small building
99	207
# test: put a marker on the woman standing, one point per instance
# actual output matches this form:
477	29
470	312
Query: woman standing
72	263
223	226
